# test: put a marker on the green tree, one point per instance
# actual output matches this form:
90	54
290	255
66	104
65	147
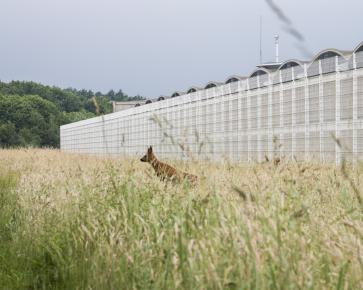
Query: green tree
31	113
8	136
36	121
76	116
111	95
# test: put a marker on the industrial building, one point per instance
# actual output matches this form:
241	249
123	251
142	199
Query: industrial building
290	109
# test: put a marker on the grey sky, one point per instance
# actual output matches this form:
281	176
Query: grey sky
156	47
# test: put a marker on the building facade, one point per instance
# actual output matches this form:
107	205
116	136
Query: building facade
292	110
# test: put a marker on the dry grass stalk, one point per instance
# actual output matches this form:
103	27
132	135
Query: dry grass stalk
73	221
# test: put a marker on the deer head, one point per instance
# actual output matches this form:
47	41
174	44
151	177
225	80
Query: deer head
149	156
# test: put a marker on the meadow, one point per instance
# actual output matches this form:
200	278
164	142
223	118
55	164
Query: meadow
71	221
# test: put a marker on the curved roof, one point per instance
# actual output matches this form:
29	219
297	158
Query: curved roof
212	85
259	71
234	78
193	89
271	68
161	98
359	47
137	105
290	62
331	52
148	102
177	94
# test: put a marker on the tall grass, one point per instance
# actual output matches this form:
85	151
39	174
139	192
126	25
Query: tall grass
78	222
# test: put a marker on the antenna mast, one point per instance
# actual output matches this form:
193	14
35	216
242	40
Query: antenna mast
277	38
261	39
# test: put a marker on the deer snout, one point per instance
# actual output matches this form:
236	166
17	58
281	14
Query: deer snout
143	159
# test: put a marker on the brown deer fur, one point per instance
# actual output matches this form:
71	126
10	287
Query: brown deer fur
165	171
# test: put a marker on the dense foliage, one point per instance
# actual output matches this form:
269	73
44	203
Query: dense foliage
31	113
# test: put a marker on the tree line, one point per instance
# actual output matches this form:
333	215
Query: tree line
31	113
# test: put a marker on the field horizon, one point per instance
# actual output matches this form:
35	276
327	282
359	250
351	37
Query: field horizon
71	221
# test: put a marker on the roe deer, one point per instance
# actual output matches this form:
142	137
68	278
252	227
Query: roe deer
165	171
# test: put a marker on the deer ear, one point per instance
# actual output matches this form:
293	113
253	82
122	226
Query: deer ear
150	149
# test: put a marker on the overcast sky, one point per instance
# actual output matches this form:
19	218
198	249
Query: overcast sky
154	48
